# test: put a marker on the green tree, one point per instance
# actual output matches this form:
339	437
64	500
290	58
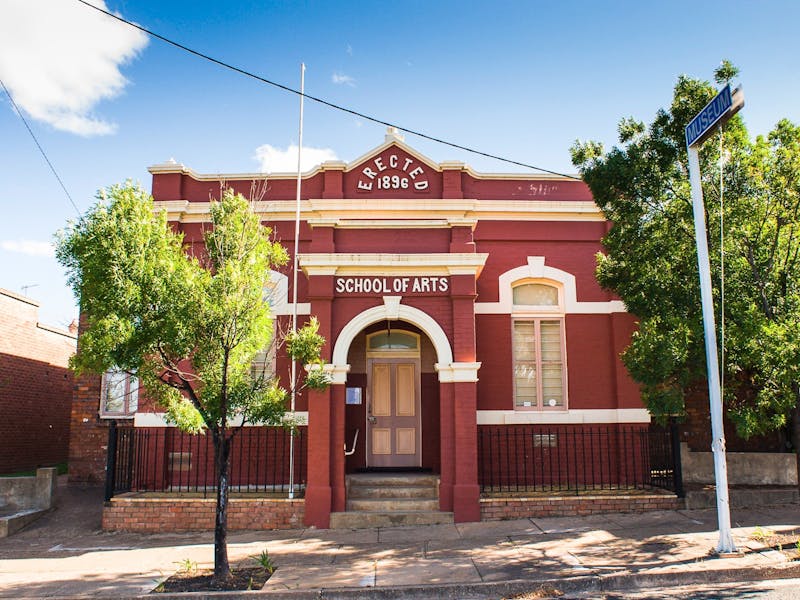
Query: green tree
187	325
752	199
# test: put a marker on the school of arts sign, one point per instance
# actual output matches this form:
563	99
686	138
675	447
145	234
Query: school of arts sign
391	285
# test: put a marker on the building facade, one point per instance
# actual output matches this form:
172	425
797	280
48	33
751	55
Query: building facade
35	387
455	305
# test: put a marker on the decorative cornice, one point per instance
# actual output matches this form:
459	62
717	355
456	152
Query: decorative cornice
393	264
414	212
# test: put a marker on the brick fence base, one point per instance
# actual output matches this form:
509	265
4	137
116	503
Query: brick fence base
159	514
149	514
495	509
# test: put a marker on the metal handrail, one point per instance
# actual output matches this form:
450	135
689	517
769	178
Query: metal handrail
353	447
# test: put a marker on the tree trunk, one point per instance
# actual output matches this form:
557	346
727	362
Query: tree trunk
222	452
794	428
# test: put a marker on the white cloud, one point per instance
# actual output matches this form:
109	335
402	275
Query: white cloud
60	58
29	247
342	79
275	160
349	50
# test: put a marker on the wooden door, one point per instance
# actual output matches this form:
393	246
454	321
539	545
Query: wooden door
393	414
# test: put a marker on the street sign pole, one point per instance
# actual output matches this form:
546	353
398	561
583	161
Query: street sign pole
726	543
714	115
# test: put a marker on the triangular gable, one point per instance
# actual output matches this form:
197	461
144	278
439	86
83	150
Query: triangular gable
391	170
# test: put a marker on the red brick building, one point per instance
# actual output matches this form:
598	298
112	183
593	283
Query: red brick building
35	387
457	307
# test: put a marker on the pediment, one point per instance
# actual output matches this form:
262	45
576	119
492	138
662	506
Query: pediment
392	170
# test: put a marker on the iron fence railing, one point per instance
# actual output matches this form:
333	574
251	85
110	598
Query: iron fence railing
168	460
541	458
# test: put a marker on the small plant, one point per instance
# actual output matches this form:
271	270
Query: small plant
760	534
265	561
186	565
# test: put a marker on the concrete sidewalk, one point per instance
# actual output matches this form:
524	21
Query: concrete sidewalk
66	555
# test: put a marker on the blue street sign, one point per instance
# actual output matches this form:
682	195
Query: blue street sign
707	119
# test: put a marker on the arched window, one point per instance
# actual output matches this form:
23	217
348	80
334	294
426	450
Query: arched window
392	342
539	347
264	365
535	295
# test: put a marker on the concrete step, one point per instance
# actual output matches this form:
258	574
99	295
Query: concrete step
12	522
366	520
386	505
743	497
395	491
392	479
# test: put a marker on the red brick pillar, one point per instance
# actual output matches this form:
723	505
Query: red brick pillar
337	447
318	486
320	416
466	496
446	446
466	493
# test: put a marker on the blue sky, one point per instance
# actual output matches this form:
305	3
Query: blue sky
520	79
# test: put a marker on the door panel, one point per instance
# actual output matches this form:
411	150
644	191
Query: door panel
404	391
406	440
393	414
381	391
381	440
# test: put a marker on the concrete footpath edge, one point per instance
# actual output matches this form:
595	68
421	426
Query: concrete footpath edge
508	589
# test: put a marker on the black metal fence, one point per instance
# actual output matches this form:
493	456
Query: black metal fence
168	460
541	458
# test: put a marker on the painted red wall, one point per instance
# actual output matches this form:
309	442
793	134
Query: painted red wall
570	247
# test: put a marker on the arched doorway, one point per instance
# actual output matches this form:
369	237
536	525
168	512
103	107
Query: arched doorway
392	416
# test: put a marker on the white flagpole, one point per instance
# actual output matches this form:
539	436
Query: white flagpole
294	275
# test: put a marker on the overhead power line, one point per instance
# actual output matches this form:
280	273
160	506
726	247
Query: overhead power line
39	146
338	107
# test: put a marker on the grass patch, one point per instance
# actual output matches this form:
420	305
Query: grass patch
62	469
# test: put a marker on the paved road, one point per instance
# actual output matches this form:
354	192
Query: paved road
65	554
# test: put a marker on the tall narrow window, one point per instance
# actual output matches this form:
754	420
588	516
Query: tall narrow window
119	394
538	348
264	365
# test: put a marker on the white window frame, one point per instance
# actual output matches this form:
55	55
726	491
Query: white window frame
130	396
275	294
537	314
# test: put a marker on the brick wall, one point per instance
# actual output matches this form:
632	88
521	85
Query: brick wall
88	440
35	387
495	509
196	514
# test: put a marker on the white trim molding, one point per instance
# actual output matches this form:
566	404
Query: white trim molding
392	310
159	419
568	417
536	269
464	263
401	213
458	372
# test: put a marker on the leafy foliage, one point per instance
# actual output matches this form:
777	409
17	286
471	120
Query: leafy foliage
642	185
188	325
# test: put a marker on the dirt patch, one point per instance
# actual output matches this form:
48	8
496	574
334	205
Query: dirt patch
201	580
541	593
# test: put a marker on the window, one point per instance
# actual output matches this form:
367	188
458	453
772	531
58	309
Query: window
264	362
538	348
393	343
119	394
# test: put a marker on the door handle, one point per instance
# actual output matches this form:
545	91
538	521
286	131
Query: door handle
372	419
